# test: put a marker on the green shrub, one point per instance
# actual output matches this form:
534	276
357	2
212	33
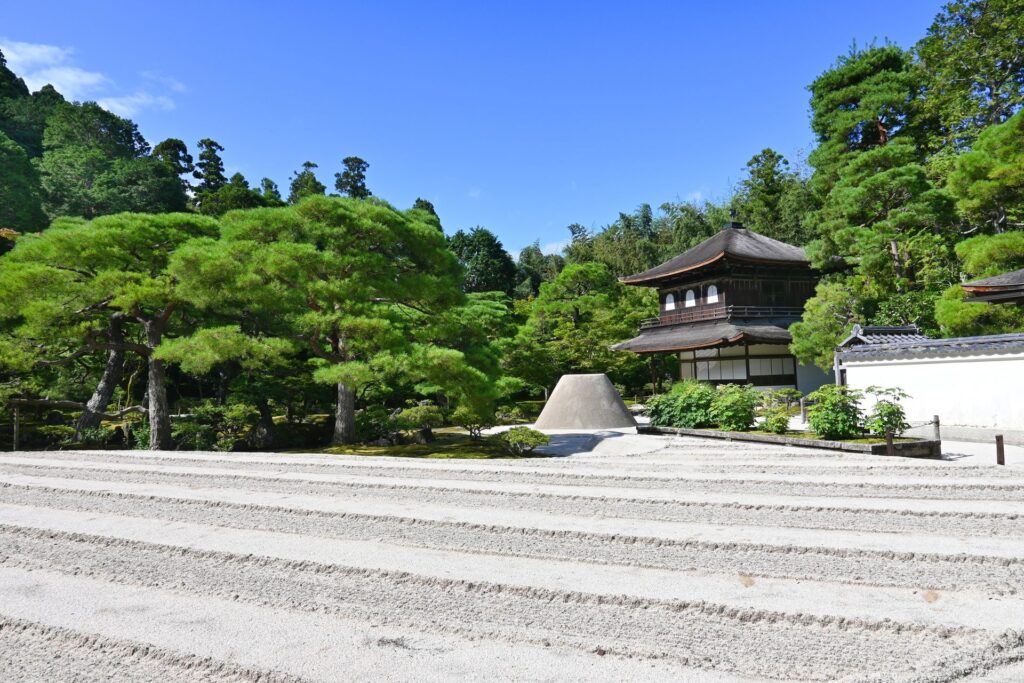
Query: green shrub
836	413
473	420
420	417
887	415
786	397
687	405
213	427
140	435
776	420
520	440
374	423
56	435
734	405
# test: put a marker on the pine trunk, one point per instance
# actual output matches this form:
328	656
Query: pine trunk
344	417
156	390
263	434
100	399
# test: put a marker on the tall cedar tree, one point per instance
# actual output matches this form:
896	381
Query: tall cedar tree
488	266
209	170
305	184
352	181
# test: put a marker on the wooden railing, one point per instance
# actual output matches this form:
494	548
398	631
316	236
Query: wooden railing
701	313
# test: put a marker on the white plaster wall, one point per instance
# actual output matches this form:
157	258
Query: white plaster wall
810	377
967	391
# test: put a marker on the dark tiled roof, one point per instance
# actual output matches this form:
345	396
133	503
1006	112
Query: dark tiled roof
882	334
1007	288
1012	279
703	335
930	348
737	243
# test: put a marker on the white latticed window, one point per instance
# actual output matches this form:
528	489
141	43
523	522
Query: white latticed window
691	299
712	297
670	302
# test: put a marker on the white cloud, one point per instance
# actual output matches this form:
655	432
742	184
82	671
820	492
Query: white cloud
555	247
169	82
130	105
695	196
70	81
41	64
25	56
474	193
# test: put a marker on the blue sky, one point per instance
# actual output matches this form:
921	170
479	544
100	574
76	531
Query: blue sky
521	117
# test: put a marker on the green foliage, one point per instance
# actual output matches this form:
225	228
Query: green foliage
209	170
236	194
95	163
776	420
215	427
827	318
734	405
688	405
971	56
304	184
420	417
988	180
887	415
836	413
773	200
987	255
488	266
473	420
352	181
374	423
982	256
20	203
959	318
521	440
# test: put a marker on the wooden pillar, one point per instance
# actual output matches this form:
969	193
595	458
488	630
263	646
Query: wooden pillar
1000	451
14	441
890	449
746	361
936	434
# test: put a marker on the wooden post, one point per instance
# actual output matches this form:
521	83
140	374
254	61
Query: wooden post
936	434
14	443
890	449
1000	452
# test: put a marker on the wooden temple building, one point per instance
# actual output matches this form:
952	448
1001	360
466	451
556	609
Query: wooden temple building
725	309
1006	288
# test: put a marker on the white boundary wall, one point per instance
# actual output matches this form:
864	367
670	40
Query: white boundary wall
984	392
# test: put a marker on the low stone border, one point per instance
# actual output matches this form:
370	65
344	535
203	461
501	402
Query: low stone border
911	449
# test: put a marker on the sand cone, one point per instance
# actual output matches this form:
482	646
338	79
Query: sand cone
585	402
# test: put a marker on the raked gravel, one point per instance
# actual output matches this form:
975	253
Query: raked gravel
644	558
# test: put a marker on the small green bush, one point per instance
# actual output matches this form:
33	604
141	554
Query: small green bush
687	405
734	405
520	440
887	415
56	435
420	417
836	413
373	423
776	420
473	420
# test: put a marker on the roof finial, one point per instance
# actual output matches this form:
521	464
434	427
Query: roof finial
733	223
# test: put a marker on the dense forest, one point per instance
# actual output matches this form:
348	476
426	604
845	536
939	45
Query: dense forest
140	282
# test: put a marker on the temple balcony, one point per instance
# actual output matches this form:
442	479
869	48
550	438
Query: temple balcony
719	312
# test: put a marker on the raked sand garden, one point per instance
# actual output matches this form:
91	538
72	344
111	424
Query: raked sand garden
636	558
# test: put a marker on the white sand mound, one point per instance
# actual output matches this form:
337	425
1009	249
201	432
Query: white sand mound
585	402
